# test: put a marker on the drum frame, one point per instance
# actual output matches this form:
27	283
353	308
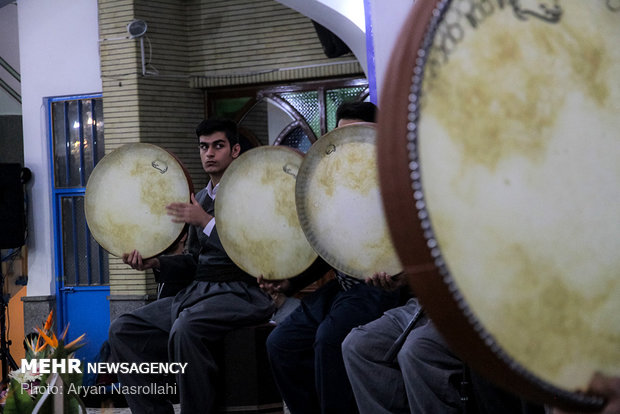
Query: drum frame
325	144
190	187
227	239
420	255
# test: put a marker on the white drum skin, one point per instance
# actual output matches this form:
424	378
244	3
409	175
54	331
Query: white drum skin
126	197
339	203
511	149
519	153
256	215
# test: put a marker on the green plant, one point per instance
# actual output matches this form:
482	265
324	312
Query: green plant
27	388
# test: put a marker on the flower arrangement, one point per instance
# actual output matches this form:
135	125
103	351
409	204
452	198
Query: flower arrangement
27	388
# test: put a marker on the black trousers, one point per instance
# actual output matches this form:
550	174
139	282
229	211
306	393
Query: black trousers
183	329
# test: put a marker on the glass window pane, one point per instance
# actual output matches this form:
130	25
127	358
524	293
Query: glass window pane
72	119
100	263
60	144
66	144
87	137
307	104
92	121
297	138
97	131
85	263
69	243
78	140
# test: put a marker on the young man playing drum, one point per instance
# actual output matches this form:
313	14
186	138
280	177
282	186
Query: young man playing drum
219	298
304	349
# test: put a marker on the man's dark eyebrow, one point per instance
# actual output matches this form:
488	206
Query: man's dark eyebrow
218	141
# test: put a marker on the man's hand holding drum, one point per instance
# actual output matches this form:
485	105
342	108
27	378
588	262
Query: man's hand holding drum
273	287
135	260
190	213
387	282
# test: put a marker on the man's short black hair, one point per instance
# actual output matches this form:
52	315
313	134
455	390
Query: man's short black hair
364	111
212	125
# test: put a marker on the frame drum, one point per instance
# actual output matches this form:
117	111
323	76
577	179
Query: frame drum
339	204
256	217
126	198
499	147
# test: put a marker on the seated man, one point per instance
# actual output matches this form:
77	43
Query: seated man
414	370
304	349
220	298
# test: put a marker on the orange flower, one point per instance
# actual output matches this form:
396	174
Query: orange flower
49	338
75	341
52	342
48	322
72	343
46	327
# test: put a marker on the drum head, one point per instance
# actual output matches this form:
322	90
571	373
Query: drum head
126	198
339	204
498	155
256	217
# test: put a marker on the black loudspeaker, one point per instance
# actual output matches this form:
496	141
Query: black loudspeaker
12	211
333	46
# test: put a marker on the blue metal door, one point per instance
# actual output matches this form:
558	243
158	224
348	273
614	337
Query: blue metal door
82	274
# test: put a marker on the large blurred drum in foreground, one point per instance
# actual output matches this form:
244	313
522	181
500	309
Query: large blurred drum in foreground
256	216
499	149
339	204
126	198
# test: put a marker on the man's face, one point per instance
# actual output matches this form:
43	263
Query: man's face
216	153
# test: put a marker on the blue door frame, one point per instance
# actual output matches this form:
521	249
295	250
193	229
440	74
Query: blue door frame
81	275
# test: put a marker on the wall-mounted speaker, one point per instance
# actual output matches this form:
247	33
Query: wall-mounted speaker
332	45
12	211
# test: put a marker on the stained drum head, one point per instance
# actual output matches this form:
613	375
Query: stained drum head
256	216
499	148
339	204
126	196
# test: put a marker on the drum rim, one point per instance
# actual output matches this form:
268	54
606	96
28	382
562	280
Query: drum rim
225	177
428	276
127	147
304	177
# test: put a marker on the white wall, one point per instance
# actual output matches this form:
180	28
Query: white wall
9	50
387	19
59	55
